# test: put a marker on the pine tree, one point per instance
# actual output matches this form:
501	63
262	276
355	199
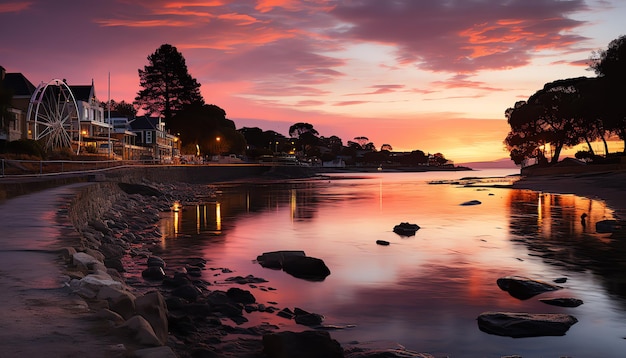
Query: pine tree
167	85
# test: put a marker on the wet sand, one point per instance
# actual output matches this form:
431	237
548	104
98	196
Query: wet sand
609	187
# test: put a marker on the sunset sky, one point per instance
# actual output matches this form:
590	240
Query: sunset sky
435	75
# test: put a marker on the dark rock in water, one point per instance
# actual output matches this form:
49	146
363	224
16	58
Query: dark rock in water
471	202
406	229
188	292
307	344
286	313
561	280
295	263
153	273
308	268
562	302
246	280
309	319
607	226
519	325
524	288
139	189
179	279
382	242
156	261
274	259
240	296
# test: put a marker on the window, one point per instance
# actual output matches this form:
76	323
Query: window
148	137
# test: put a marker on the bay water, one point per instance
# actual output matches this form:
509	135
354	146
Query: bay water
421	292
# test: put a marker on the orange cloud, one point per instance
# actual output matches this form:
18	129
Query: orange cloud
15	6
142	23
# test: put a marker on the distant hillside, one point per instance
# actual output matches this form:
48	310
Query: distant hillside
504	163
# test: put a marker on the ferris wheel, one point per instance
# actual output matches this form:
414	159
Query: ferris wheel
54	114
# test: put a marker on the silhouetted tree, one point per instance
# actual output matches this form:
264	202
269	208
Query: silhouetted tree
167	84
202	125
124	108
386	147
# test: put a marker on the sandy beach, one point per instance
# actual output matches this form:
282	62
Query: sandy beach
609	187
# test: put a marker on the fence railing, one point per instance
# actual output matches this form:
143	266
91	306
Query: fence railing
13	168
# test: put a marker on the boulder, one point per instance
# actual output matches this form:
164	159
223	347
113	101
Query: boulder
90	285
519	325
83	261
152	307
471	202
382	242
120	301
307	344
139	329
153	273
562	302
275	259
305	267
188	292
607	226
140	189
406	229
240	296
295	263
155	261
524	288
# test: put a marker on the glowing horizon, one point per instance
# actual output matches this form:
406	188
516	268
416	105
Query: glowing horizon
421	75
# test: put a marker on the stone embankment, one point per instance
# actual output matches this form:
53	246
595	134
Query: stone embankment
171	311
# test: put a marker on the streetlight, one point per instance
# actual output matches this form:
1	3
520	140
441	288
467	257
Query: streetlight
197	150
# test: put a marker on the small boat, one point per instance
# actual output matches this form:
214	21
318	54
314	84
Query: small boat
406	229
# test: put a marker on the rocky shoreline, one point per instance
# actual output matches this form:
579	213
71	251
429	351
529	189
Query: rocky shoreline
170	310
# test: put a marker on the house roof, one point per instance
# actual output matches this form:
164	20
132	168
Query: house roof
144	122
82	93
19	84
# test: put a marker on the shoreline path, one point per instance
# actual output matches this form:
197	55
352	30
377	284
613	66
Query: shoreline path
39	315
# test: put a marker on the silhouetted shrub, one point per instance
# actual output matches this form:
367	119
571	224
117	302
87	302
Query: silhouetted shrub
26	146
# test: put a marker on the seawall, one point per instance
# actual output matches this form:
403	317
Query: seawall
192	174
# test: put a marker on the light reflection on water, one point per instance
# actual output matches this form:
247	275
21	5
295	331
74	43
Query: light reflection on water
423	292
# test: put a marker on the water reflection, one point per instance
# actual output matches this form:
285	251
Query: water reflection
550	226
424	291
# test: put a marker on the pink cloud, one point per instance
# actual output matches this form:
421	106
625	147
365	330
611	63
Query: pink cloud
15	6
464	36
349	103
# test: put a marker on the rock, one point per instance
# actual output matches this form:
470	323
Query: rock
188	292
382	242
275	259
519	325
406	229
240	296
67	253
153	273
112	251
308	268
307	344
152	307
607	226
100	226
295	263
90	285
471	202
309	319
83	261
139	189
109	315
246	280
120	301
560	280
562	302
139	329
156	261
524	288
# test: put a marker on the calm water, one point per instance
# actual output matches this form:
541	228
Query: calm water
422	292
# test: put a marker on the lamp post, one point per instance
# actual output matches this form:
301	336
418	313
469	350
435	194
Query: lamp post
218	146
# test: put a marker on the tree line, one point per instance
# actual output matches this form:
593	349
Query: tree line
573	111
169	90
